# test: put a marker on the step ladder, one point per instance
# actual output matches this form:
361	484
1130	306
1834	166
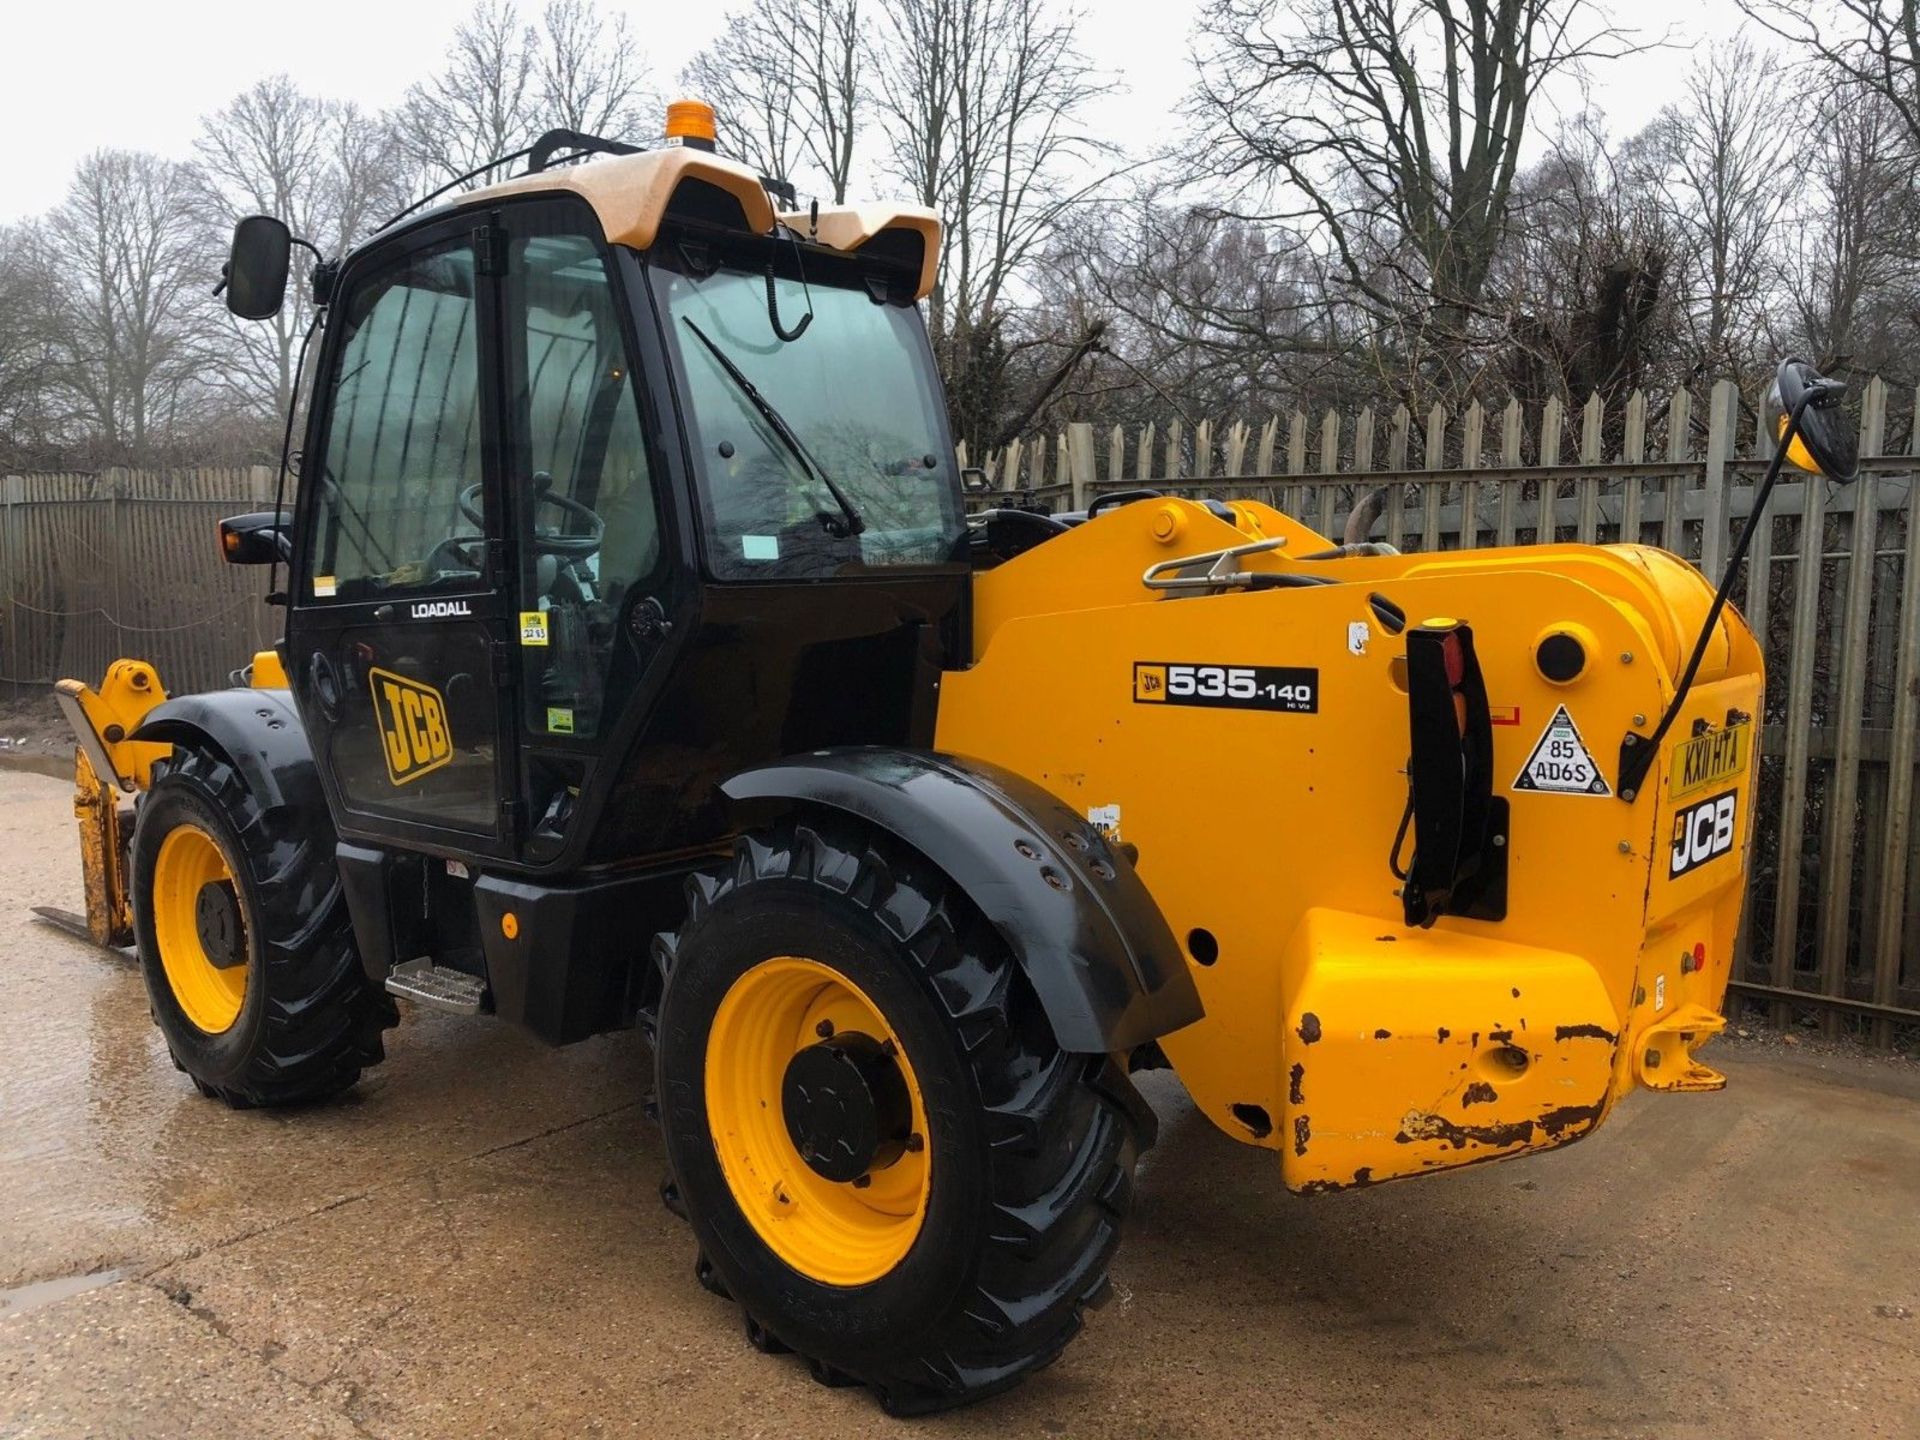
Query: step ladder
425	983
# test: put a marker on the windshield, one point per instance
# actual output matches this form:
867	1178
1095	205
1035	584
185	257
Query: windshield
856	390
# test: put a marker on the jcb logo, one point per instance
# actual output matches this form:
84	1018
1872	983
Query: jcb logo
1701	832
1149	682
413	724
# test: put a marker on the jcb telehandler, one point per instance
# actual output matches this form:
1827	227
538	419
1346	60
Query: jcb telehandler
642	666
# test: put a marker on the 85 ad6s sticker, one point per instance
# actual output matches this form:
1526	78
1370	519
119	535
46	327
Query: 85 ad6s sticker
1294	689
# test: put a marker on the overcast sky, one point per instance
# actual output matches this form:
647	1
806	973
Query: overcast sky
140	75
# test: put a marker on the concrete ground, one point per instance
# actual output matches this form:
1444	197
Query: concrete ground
471	1244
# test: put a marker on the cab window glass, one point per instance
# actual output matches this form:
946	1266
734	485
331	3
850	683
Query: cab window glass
397	492
589	528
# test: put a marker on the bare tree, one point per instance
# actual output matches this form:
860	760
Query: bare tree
125	255
983	103
506	81
787	80
1587	275
747	75
592	76
1874	44
26	349
1392	128
1854	265
321	166
1725	191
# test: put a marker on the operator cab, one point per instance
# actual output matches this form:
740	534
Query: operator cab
615	482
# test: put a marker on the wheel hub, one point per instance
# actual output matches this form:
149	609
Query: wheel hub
216	918
846	1106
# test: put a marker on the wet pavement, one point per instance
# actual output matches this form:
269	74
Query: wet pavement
471	1243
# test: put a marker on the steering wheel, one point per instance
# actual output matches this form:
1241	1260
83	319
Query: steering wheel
545	542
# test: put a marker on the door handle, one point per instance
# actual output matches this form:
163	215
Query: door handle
325	685
648	622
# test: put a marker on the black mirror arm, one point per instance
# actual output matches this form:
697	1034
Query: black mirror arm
1637	751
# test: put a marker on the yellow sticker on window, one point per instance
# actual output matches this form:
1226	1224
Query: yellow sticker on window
559	722
533	627
325	586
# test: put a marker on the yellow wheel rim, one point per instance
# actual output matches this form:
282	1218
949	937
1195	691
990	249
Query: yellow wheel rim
208	995
834	1232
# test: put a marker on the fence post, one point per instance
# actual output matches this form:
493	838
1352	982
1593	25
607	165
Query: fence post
1010	465
1236	456
1900	759
1546	528
1263	457
1721	407
1433	492
1081	470
1203	450
1679	445
1843	791
1397	438
1117	454
1510	422
1798	724
1174	462
13	491
1472	429
1592	452
1633	450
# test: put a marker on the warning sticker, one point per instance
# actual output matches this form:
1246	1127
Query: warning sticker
1560	762
533	627
559	721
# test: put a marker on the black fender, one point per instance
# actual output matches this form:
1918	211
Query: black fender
260	734
1077	917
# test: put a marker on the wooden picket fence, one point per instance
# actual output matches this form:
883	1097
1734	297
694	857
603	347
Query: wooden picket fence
123	562
1832	587
127	562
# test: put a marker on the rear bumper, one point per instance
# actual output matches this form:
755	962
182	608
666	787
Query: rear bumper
1414	1051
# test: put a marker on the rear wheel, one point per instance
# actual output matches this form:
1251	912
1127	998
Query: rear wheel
245	942
885	1157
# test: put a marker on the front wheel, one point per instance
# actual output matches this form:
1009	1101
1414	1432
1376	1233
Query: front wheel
885	1157
245	942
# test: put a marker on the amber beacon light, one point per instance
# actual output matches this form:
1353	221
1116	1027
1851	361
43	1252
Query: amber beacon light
690	122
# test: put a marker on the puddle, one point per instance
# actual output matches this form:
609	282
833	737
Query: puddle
23	1298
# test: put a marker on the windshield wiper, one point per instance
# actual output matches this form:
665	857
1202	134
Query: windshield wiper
778	424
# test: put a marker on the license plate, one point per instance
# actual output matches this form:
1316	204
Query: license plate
1711	758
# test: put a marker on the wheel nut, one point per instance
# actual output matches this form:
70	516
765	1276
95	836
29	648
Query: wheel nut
861	1182
823	1029
915	1143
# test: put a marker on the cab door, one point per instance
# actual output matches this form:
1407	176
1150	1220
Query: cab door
396	636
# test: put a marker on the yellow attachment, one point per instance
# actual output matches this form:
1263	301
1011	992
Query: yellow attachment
102	719
104	832
210	996
1356	1047
832	1233
267	673
1663	1058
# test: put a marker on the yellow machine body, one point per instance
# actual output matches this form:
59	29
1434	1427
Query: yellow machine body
109	764
1356	1046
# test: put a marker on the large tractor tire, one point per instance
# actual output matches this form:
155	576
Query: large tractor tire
885	1158
245	942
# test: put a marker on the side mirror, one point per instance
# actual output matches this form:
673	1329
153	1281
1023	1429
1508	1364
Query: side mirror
257	539
1824	443
256	271
974	480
